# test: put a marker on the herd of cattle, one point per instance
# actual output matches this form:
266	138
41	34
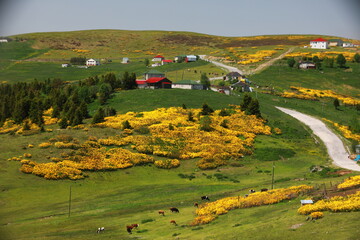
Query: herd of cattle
129	228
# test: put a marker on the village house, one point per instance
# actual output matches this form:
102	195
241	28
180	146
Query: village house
190	58
319	43
335	42
189	84
64	65
347	44
3	40
154	83
233	76
125	60
242	86
163	62
307	65
158	58
153	73
92	62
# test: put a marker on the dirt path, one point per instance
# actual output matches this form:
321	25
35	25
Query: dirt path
334	145
270	62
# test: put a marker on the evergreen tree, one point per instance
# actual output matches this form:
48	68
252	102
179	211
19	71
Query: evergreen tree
191	116
99	116
329	62
204	80
336	103
245	103
254	108
126	125
357	58
206	110
291	62
84	110
63	123
340	60
78	118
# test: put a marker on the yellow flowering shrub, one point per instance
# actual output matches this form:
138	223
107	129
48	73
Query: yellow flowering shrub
334	204
167	164
350	182
316	215
27	155
45	145
346	132
314	94
209	211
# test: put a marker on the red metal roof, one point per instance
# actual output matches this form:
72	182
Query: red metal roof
167	60
319	40
158	56
140	82
157	79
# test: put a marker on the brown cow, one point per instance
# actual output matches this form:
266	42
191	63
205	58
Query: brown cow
174	209
162	212
131	227
173	222
196	205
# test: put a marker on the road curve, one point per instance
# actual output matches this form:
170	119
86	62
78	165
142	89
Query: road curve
334	145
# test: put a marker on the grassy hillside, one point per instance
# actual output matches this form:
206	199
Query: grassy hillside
35	208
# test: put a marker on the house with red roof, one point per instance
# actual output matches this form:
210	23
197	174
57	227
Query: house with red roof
154	83
319	43
158	58
166	61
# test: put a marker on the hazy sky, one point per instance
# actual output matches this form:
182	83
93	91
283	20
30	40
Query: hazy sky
217	17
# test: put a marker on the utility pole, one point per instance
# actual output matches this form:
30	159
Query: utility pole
69	201
272	178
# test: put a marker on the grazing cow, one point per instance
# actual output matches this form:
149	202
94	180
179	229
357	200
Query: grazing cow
131	227
100	229
246	195
173	222
205	198
252	191
174	209
264	190
196	205
162	212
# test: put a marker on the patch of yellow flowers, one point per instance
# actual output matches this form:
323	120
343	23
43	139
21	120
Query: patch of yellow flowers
209	211
350	182
347	133
335	204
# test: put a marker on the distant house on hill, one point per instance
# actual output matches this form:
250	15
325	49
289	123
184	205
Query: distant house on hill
189	84
347	44
154	83
92	62
163	62
190	58
244	87
158	58
64	65
307	65
153	73
233	75
3	40
319	43
125	60
335	42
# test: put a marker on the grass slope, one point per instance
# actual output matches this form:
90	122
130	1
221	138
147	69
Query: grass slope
34	208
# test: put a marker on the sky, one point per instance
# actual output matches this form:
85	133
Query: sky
216	17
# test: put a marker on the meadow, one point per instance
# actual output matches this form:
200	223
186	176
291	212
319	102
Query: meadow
32	207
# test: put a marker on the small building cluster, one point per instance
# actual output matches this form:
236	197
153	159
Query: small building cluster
321	43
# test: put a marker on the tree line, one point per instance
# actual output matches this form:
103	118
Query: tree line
21	101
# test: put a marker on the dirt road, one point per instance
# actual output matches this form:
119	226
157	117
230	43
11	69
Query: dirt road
271	61
334	145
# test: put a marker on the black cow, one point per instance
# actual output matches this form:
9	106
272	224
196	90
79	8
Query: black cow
174	209
205	198
252	191
264	190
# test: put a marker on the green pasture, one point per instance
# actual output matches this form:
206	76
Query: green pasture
35	208
281	77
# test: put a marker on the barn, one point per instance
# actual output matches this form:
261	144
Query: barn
158	82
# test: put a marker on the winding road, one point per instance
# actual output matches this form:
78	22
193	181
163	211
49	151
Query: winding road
333	143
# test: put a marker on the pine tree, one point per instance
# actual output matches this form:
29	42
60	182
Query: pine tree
204	80
205	123
340	60
206	110
63	123
254	108
357	58
245	103
291	62
99	116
